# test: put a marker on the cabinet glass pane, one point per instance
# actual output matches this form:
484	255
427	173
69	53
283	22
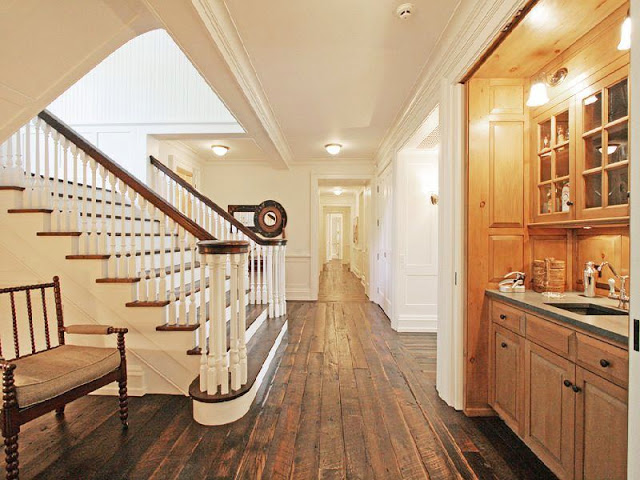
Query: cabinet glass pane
592	111
618	143
545	199
618	101
562	162
545	135
593	151
618	186
593	190
562	127
562	196
545	167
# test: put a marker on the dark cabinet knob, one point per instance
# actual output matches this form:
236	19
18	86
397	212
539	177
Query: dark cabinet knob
576	388
570	203
604	363
567	383
503	345
503	316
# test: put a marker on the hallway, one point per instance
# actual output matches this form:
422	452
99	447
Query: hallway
350	399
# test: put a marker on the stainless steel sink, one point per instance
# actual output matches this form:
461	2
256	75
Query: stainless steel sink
587	309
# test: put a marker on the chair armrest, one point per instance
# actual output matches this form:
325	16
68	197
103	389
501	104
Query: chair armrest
93	329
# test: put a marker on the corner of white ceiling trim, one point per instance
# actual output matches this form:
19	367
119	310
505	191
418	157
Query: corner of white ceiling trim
452	58
223	31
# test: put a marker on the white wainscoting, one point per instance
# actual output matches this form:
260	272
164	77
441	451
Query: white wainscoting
298	276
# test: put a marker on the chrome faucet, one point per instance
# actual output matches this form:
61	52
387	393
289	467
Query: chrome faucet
622	297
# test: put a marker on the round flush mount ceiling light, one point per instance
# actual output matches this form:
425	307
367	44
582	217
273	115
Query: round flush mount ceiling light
338	191
220	150
333	148
405	10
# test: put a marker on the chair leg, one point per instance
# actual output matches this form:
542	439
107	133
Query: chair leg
124	403
60	411
11	455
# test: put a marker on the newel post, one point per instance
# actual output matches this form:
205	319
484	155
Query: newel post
216	363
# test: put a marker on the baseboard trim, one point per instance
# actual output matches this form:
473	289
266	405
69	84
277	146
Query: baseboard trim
479	412
417	324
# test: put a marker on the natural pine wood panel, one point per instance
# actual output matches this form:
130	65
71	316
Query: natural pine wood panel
350	399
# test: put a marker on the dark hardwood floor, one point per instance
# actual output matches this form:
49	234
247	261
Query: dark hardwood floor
350	399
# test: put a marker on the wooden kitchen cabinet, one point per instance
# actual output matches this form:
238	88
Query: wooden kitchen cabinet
550	408
603	148
562	391
507	392
600	453
554	164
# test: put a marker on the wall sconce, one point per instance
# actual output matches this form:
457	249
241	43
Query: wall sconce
625	33
538	94
434	199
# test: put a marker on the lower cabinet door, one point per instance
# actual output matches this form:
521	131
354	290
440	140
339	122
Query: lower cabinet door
550	402
601	428
507	388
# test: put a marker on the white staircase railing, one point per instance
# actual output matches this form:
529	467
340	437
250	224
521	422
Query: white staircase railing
145	240
266	265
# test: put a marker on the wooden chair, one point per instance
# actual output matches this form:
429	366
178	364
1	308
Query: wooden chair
52	374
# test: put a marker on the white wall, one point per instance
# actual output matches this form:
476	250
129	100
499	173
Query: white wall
415	284
232	183
146	87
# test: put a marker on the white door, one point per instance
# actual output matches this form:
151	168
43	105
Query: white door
336	236
383	228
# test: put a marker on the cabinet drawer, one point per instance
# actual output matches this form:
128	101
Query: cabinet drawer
508	317
550	335
604	359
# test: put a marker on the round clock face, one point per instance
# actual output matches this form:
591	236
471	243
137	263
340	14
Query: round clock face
270	218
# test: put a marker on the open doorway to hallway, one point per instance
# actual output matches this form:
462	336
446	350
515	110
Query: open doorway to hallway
343	219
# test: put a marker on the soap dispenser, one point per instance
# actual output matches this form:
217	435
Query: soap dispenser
589	279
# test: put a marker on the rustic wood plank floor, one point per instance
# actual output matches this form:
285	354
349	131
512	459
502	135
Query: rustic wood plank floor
350	399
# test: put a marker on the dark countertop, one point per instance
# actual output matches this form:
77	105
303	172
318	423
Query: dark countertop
612	327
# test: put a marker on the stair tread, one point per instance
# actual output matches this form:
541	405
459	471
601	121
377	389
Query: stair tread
10	187
258	350
253	312
30	210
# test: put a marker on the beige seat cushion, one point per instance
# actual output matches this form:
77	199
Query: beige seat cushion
48	374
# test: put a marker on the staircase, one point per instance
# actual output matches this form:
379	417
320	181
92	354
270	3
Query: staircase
202	295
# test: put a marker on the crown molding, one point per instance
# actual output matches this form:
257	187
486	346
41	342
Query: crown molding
472	28
218	21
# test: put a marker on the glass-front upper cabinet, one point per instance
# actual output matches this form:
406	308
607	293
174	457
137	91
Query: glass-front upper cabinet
603	149
554	164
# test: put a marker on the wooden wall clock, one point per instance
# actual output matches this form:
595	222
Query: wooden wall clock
269	219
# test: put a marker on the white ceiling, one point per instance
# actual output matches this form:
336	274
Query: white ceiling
240	148
335	70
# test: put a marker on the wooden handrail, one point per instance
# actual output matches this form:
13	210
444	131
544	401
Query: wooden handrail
132	182
207	201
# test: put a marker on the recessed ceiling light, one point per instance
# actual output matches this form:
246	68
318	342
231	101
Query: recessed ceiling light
220	150
333	148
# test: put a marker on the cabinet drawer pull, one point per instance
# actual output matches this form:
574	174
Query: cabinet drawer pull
503	316
604	363
576	389
503	345
567	383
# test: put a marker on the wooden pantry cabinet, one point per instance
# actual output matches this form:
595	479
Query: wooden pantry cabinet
562	391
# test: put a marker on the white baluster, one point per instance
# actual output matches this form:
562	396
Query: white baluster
242	322
269	280
55	216
191	311
85	222
283	287
38	181
182	299
65	185
146	275
122	258
222	368
276	280
202	331
234	357
173	311
113	250
212	366
260	265
75	213
91	191
103	240
252	273
47	166
162	287
18	161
